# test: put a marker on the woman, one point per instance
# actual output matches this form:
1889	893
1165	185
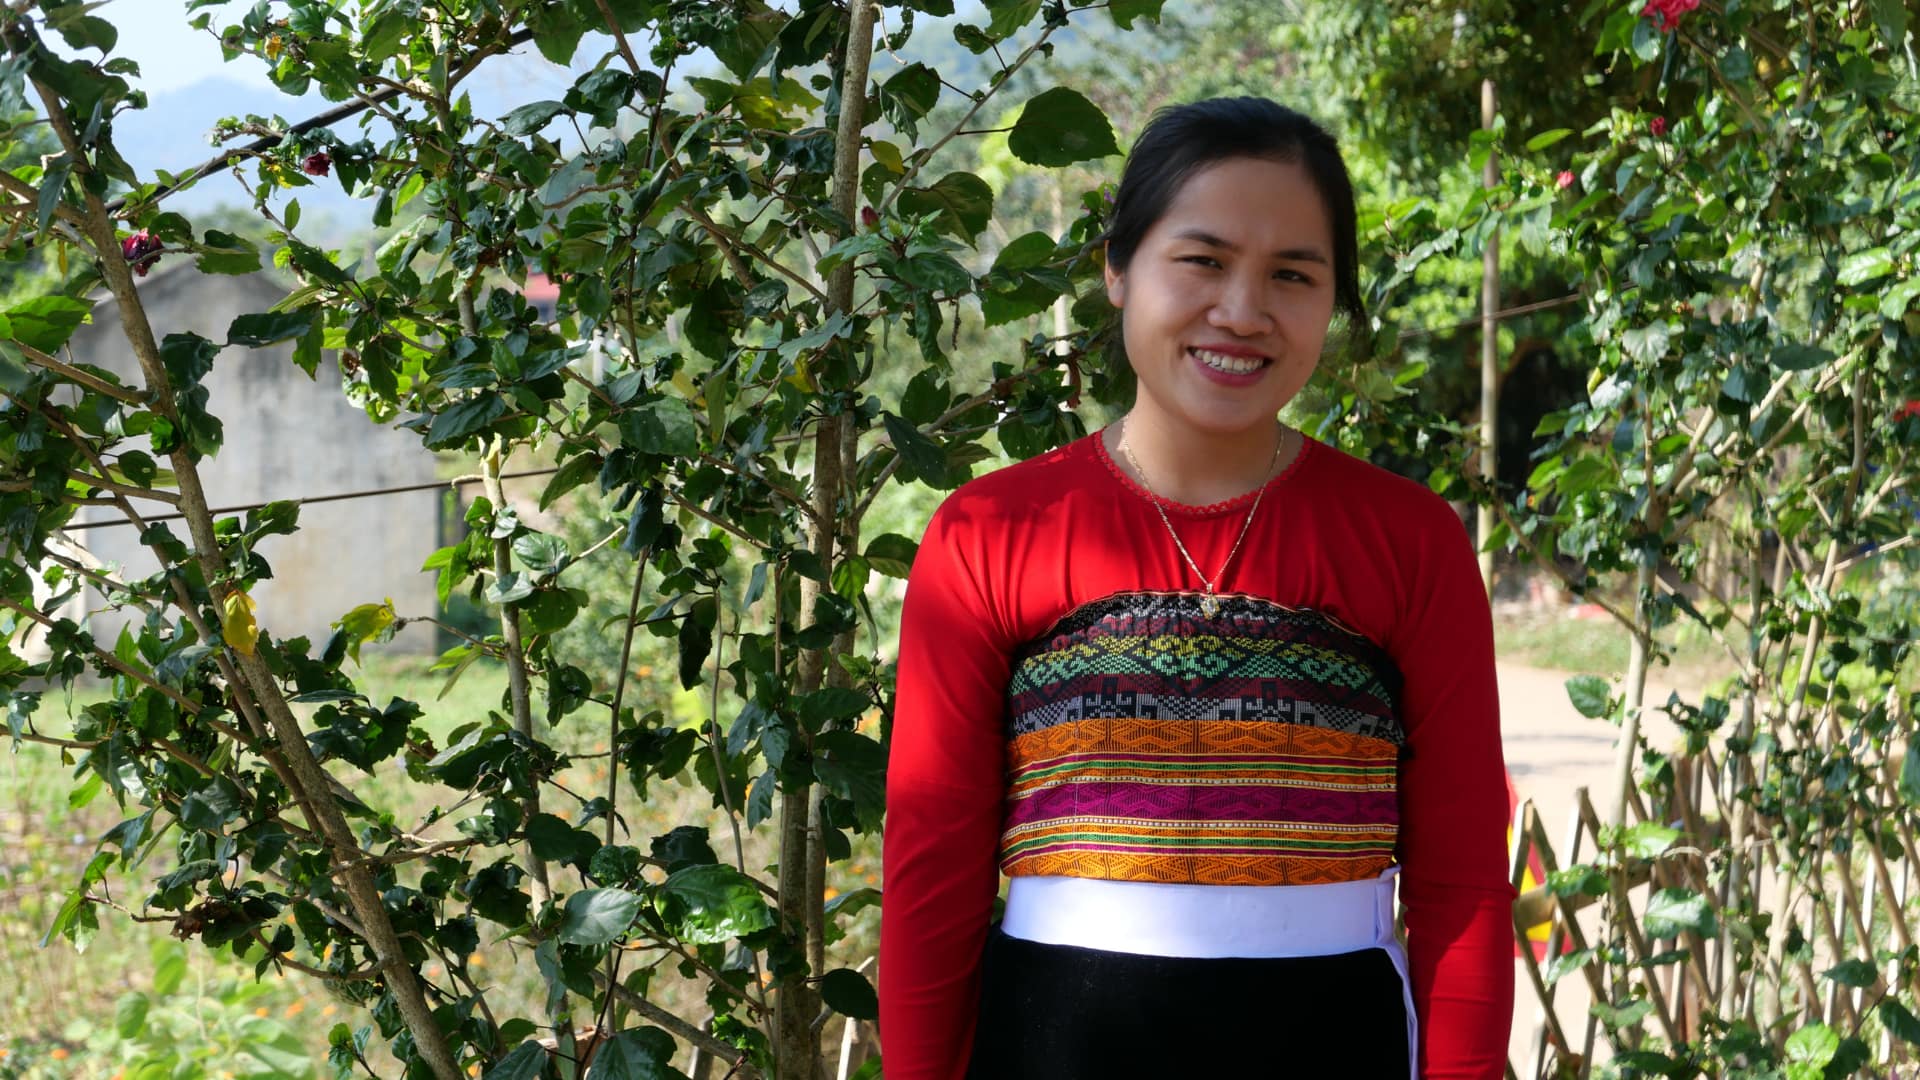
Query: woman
1202	687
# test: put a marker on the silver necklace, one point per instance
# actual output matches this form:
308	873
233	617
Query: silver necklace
1209	600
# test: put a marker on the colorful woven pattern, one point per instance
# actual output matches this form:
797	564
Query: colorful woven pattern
1148	742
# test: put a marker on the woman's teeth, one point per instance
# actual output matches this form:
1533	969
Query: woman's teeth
1232	365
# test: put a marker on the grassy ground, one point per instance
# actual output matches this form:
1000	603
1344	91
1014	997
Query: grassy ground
1553	638
134	993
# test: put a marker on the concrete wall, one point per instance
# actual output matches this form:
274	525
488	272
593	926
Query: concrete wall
287	437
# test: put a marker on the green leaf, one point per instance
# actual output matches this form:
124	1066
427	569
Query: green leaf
853	767
210	807
1864	266
598	916
1900	1020
915	88
543	553
1124	12
1910	777
664	427
1579	880
1566	964
848	993
642	1054
554	840
269	327
1590	694
1008	16
712	905
1799	357
130	1015
528	119
1856	973
187	358
696	644
46	322
1060	127
962	203
831	703
1647	839
1624	1016
1812	1045
1895	302
524	1062
169	971
225	253
920	456
1647	343
1671	911
1028	250
892	554
1547	138
460	421
1890	16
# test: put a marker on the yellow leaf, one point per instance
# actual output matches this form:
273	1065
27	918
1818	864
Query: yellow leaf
364	623
237	623
888	155
801	380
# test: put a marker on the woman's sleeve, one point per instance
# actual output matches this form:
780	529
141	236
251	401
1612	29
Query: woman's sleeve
945	789
1453	798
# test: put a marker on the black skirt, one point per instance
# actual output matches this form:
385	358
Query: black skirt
1058	1012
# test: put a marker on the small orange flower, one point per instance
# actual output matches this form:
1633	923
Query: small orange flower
261	1011
299	1006
59	1053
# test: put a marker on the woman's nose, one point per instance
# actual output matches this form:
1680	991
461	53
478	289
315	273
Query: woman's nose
1239	309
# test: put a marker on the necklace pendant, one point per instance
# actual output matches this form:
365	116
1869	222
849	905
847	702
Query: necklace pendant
1209	605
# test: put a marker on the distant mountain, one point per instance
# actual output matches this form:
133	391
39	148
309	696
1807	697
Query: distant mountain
173	134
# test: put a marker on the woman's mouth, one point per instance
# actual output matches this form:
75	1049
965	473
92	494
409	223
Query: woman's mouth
1228	364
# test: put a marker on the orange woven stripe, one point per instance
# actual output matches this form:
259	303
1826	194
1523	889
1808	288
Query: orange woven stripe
1199	738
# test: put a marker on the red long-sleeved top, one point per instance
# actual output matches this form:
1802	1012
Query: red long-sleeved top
1010	553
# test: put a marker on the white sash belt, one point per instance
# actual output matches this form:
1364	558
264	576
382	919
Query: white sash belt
1213	921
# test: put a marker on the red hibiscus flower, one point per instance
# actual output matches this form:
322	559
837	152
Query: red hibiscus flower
317	163
1667	12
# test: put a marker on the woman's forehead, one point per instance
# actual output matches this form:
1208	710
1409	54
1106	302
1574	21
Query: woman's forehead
1248	203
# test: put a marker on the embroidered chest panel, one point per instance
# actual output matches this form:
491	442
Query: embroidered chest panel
1150	741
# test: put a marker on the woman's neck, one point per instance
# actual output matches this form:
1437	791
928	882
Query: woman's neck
1194	468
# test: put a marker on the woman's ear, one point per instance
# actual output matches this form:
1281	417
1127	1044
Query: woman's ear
1116	281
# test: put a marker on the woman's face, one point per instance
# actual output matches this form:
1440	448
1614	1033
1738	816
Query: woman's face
1226	301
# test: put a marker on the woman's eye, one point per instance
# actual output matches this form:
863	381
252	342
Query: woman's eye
1293	275
1201	260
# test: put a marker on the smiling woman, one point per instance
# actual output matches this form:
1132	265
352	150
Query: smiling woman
1204	689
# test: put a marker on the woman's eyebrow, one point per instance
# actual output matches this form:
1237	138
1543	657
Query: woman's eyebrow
1298	254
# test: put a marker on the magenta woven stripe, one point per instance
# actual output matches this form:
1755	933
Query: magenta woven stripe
1163	804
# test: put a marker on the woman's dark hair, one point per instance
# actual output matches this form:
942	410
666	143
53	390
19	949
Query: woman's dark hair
1183	139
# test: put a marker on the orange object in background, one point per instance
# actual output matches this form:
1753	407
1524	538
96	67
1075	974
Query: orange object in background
1534	877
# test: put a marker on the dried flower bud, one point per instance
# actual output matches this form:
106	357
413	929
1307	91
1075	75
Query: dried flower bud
141	250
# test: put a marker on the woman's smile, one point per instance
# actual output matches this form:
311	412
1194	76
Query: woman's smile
1230	365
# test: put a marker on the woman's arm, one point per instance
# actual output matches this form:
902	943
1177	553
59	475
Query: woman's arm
1454	885
945	789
